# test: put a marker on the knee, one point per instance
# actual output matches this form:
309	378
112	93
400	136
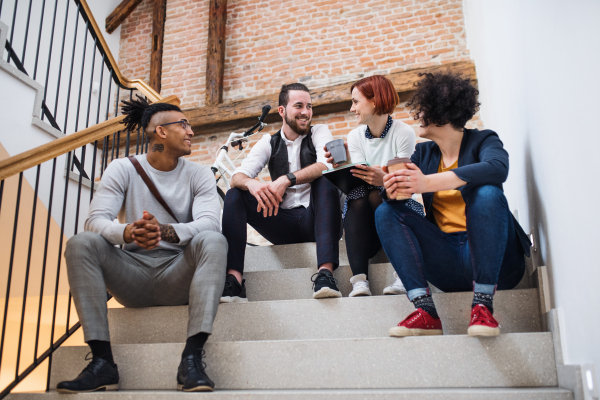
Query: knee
487	196
83	240
209	242
323	187
383	214
233	197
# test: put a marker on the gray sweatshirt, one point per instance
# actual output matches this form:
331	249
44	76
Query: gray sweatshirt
189	190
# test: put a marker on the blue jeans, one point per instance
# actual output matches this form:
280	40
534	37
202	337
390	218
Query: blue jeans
487	255
320	222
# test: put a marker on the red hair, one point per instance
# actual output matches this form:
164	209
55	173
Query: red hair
381	90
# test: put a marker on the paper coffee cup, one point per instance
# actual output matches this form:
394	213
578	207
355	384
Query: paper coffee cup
337	150
396	164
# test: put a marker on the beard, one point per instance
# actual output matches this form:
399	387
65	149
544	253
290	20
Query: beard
294	125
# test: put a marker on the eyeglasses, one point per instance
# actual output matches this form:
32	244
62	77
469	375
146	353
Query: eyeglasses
184	124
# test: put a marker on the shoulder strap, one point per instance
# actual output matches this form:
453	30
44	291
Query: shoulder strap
153	189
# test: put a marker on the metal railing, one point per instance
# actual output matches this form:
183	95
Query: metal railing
40	207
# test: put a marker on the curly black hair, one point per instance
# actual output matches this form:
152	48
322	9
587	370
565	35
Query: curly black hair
443	98
139	112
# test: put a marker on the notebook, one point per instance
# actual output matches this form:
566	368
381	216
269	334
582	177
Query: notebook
343	179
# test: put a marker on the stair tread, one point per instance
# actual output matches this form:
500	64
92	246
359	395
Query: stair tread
510	360
516	310
545	393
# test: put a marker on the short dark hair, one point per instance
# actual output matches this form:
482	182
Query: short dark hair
284	96
139	112
443	98
381	90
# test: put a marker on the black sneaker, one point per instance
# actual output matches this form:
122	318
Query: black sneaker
191	376
324	285
233	291
98	375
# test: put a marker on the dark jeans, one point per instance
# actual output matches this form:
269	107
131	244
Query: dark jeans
486	256
320	222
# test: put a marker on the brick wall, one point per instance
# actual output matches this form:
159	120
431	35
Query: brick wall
317	42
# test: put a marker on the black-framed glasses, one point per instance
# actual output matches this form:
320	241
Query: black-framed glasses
184	124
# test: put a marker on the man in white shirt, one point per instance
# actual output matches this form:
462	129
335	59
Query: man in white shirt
297	206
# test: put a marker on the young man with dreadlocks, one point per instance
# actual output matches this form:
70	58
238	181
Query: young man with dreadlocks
169	257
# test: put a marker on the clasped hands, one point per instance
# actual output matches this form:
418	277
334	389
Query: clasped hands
372	175
145	232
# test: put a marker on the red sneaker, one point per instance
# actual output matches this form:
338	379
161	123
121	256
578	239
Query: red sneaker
419	323
483	322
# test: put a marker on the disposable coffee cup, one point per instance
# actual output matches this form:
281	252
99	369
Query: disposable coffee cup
396	164
337	150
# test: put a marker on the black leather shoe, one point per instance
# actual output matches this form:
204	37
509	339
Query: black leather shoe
98	375
191	376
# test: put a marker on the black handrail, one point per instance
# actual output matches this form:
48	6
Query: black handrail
72	101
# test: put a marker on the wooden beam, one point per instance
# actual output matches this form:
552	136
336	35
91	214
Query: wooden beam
326	100
215	56
159	16
119	14
58	147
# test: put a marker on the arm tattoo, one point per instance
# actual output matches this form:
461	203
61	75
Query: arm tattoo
168	234
158	147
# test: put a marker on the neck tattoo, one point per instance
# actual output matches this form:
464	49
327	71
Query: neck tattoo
158	147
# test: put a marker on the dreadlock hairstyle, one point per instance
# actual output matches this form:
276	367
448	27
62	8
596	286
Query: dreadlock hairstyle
139	112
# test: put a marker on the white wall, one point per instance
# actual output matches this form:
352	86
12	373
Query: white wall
538	66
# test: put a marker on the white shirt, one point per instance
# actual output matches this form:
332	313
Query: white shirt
398	142
260	154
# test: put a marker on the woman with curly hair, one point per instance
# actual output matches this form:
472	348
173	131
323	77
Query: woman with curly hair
469	239
376	140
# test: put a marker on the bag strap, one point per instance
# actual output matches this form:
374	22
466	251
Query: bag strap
153	189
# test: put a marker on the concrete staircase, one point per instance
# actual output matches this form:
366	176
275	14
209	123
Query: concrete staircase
284	344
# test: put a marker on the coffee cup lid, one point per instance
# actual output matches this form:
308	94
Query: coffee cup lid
398	160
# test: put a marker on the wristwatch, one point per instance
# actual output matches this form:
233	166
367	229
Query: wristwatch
292	179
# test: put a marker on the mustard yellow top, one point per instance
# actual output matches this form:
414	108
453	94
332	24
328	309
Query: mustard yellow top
449	206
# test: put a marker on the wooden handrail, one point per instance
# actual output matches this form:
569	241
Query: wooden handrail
138	84
31	158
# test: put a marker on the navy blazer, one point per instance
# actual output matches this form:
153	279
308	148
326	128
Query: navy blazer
482	160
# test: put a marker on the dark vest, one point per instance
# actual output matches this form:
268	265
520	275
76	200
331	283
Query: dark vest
279	163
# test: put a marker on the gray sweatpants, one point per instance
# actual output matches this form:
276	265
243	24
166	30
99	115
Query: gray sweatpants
196	275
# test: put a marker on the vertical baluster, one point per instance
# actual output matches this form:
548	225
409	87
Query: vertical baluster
92	178
26	33
60	243
10	266
81	82
137	142
27	268
62	52
1	192
45	259
87	119
71	71
37	49
105	147
12	27
50	53
128	131
100	89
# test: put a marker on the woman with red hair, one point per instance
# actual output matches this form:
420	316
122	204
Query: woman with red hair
378	139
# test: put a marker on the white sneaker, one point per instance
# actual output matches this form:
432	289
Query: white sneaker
396	288
360	286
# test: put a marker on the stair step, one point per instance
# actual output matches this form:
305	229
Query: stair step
287	256
324	394
292	257
357	317
511	360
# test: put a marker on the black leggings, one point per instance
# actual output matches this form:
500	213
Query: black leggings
362	241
